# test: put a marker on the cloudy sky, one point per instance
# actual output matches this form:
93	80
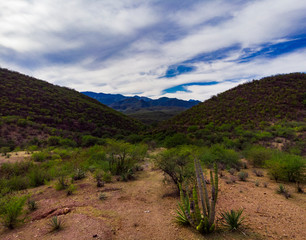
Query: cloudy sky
187	49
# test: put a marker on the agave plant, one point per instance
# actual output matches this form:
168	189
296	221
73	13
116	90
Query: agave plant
232	219
55	224
189	212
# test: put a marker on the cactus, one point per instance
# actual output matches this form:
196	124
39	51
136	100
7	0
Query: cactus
190	209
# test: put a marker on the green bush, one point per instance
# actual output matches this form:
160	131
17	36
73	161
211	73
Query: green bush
258	155
89	140
8	170
11	208
176	140
32	205
37	176
287	167
61	183
16	183
177	163
120	156
4	150
219	154
67	143
78	174
40	156
54	140
71	189
243	176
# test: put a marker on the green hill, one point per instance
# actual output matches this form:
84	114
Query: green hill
270	112
34	108
267	100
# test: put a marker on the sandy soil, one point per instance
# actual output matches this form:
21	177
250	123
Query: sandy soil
145	209
15	157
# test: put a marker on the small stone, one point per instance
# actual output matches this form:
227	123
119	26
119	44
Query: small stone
94	236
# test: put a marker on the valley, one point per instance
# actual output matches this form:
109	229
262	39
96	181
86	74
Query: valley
74	168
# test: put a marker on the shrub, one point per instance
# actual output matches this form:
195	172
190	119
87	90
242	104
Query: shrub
16	183
4	150
32	205
102	196
258	173
66	142
243	176
55	224
61	183
175	140
100	182
258	155
232	171
177	163
40	156
232	219
287	167
257	183
120	156
107	177
282	190
11	209
218	153
37	177
71	189
89	140
8	170
78	174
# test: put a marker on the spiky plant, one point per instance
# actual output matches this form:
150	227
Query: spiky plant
55	224
102	196
232	219
32	205
78	174
181	218
200	217
281	189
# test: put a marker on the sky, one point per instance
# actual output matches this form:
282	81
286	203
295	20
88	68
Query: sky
155	48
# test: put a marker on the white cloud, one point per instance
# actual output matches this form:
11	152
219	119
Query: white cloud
126	46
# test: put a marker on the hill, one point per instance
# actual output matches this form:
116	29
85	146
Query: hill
269	112
34	107
271	99
144	109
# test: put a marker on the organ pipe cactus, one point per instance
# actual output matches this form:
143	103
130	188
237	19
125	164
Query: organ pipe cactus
199	209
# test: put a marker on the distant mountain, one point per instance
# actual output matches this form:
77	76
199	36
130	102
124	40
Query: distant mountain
34	108
265	101
142	108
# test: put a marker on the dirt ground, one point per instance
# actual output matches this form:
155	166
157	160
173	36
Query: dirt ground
15	157
145	208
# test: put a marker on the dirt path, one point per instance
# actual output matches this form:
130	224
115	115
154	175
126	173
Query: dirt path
146	213
145	208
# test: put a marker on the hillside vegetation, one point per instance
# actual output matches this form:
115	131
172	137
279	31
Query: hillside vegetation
269	99
269	112
38	108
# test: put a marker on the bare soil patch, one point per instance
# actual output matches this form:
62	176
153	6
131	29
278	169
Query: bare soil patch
15	157
145	209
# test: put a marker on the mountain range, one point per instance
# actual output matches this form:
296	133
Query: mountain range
144	109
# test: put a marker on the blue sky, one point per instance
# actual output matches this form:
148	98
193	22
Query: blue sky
185	49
